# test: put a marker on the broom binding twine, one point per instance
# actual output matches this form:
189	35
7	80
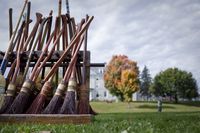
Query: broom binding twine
11	90
72	85
46	89
27	87
60	91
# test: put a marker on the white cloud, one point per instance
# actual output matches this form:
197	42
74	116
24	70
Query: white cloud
159	34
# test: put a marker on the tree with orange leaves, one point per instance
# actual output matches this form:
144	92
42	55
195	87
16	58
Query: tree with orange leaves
121	77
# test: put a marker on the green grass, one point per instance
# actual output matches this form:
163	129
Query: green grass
142	117
166	122
103	107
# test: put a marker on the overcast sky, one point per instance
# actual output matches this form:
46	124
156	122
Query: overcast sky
156	33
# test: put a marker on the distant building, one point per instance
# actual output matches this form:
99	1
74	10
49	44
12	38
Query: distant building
97	89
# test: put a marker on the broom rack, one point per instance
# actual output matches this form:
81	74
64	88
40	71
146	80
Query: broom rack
56	55
56	118
83	65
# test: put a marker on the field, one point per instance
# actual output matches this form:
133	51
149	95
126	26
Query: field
103	107
118	118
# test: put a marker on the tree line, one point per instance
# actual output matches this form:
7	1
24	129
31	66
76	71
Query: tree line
122	79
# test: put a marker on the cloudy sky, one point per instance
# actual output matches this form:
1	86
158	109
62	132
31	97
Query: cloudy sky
156	33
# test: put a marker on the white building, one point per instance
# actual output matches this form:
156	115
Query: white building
97	89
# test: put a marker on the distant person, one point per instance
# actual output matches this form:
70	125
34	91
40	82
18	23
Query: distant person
159	104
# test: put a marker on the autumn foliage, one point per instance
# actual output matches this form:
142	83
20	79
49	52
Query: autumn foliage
121	77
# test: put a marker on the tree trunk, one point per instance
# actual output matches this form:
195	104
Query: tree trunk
120	98
176	98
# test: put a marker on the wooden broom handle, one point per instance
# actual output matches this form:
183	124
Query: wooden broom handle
18	57
74	55
16	28
28	11
10	44
57	64
18	41
32	47
38	19
10	22
44	51
84	55
47	30
49	25
48	56
64	36
73	61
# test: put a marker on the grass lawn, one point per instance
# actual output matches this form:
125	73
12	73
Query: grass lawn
117	118
103	107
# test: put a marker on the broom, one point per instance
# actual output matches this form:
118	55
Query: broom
57	100
83	106
56	31
16	44
56	65
12	85
24	96
73	41
39	101
56	39
31	36
27	89
11	88
10	93
68	106
10	45
19	80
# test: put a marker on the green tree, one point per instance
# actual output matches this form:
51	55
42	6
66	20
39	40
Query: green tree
175	84
145	81
121	77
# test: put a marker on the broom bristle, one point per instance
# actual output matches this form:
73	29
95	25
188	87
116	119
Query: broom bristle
68	106
20	104
38	105
54	106
83	107
8	100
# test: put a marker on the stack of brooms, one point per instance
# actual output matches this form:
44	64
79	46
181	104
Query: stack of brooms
30	89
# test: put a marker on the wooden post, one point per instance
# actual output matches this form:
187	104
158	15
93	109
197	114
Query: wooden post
87	77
